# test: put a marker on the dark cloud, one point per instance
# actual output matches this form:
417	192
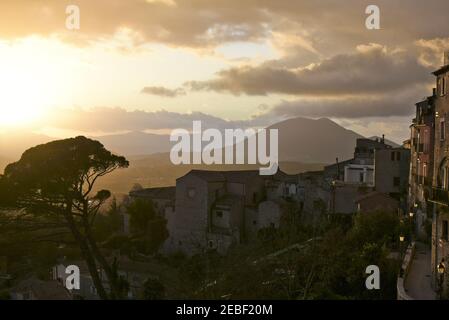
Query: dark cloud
329	25
372	69
163	92
353	107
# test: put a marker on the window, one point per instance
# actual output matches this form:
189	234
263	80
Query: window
443	86
361	177
392	155
444	232
219	214
398	156
445	178
396	181
441	83
93	290
442	130
191	192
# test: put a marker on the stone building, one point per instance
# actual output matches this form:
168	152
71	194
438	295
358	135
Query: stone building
217	209
392	171
422	140
376	201
376	166
440	180
359	169
161	197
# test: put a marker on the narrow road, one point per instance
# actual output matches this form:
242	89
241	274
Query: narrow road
417	284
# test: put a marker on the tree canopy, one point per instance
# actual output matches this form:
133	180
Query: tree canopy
54	183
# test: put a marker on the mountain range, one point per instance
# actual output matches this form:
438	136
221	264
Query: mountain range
304	144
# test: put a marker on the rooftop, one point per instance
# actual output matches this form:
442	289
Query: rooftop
441	70
237	176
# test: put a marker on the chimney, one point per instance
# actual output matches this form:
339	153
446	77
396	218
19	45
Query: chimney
383	139
446	58
338	169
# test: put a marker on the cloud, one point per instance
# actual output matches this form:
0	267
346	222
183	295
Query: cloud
353	107
180	23
163	92
431	51
329	25
371	69
108	120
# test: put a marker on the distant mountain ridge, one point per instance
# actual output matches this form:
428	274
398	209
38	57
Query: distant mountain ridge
300	140
314	141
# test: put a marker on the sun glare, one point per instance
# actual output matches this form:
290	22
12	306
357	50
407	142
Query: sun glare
26	85
20	103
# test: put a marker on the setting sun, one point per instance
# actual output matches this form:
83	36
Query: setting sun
28	82
21	103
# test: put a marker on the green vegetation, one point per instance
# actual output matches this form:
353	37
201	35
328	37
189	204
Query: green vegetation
329	265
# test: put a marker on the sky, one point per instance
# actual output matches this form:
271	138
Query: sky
156	65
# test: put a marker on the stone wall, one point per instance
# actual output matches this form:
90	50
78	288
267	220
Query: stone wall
405	267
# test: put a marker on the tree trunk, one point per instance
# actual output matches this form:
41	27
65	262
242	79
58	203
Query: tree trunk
110	273
87	255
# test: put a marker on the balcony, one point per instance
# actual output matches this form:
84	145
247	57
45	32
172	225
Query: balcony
440	196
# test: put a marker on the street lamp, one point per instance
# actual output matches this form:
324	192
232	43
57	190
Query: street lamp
441	269
401	240
411	214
